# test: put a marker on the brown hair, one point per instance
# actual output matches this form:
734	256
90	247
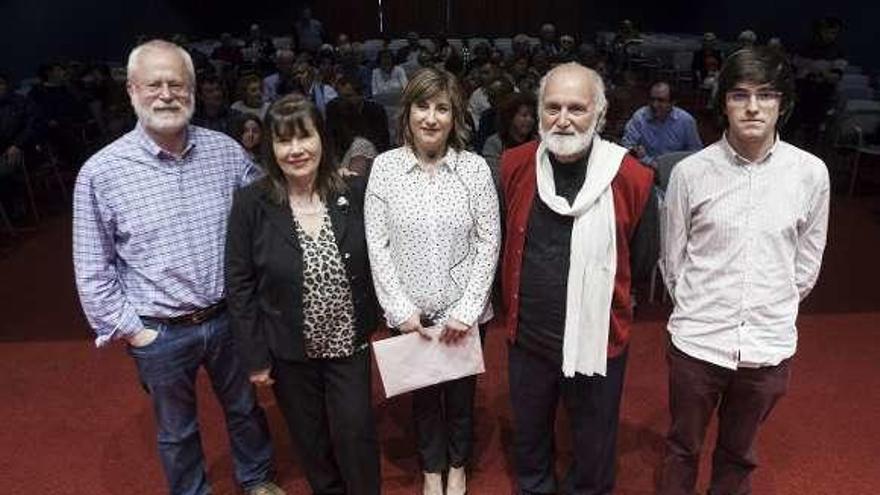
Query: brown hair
507	111
292	116
243	83
426	84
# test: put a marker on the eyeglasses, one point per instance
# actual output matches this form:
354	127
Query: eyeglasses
176	88
764	97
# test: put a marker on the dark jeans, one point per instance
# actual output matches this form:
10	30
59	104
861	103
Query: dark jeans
593	406
444	418
326	403
167	368
744	398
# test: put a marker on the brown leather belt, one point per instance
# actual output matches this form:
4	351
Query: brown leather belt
196	317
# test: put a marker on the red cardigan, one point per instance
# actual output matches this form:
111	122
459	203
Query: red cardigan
631	189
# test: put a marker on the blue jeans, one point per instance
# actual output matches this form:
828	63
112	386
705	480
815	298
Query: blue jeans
167	368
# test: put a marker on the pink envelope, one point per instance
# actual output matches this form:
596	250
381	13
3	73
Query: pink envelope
409	361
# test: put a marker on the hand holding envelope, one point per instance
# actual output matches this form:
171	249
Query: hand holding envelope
410	361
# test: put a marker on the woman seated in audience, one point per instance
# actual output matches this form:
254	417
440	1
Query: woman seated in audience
301	299
250	97
432	225
388	83
248	131
357	151
516	125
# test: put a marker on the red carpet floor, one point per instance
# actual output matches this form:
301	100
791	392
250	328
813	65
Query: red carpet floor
76	422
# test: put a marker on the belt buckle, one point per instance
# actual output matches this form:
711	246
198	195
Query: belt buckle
199	317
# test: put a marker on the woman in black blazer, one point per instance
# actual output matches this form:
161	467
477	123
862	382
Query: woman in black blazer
301	299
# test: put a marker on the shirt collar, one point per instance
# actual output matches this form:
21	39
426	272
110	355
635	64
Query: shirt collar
673	115
741	160
147	144
411	162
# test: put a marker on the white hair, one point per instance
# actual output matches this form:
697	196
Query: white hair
600	103
134	58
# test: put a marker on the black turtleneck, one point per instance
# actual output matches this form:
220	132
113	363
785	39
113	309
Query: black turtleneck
545	262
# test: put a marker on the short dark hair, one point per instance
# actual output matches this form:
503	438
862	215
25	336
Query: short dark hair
664	82
756	65
291	116
425	84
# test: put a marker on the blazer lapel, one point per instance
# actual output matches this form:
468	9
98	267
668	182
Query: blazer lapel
282	219
338	210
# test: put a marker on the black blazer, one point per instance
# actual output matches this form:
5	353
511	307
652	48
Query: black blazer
264	269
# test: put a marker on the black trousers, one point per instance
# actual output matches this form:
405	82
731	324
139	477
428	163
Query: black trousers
326	403
592	404
444	418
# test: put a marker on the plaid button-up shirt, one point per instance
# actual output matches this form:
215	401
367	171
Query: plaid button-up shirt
149	228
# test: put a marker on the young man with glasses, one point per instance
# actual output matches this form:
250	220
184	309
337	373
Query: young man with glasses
744	228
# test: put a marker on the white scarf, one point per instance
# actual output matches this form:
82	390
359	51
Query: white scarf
593	263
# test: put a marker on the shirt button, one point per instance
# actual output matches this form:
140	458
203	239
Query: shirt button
346	255
522	230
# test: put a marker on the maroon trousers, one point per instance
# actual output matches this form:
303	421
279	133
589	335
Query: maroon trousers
744	399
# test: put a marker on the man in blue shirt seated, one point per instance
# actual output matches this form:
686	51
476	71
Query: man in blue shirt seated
660	127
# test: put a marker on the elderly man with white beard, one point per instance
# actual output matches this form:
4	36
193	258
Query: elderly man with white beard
149	227
573	245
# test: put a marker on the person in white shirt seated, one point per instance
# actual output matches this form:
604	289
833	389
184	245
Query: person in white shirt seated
250	97
744	232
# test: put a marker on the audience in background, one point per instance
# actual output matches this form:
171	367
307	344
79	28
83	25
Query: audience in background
247	129
516	125
250	97
660	127
212	110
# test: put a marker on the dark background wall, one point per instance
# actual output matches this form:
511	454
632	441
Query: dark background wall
33	31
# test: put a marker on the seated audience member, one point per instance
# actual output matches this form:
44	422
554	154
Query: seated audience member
660	127
301	303
313	87
366	118
356	152
18	122
819	67
516	125
521	46
309	31
247	129
746	39
707	61
388	78
549	42
250	94
479	99
351	65
388	83
259	49
212	112
62	114
18	130
496	92
282	81
228	51
567	49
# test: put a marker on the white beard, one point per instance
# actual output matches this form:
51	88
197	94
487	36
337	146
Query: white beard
567	144
164	121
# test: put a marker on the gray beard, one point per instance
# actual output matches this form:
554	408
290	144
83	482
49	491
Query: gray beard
562	145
